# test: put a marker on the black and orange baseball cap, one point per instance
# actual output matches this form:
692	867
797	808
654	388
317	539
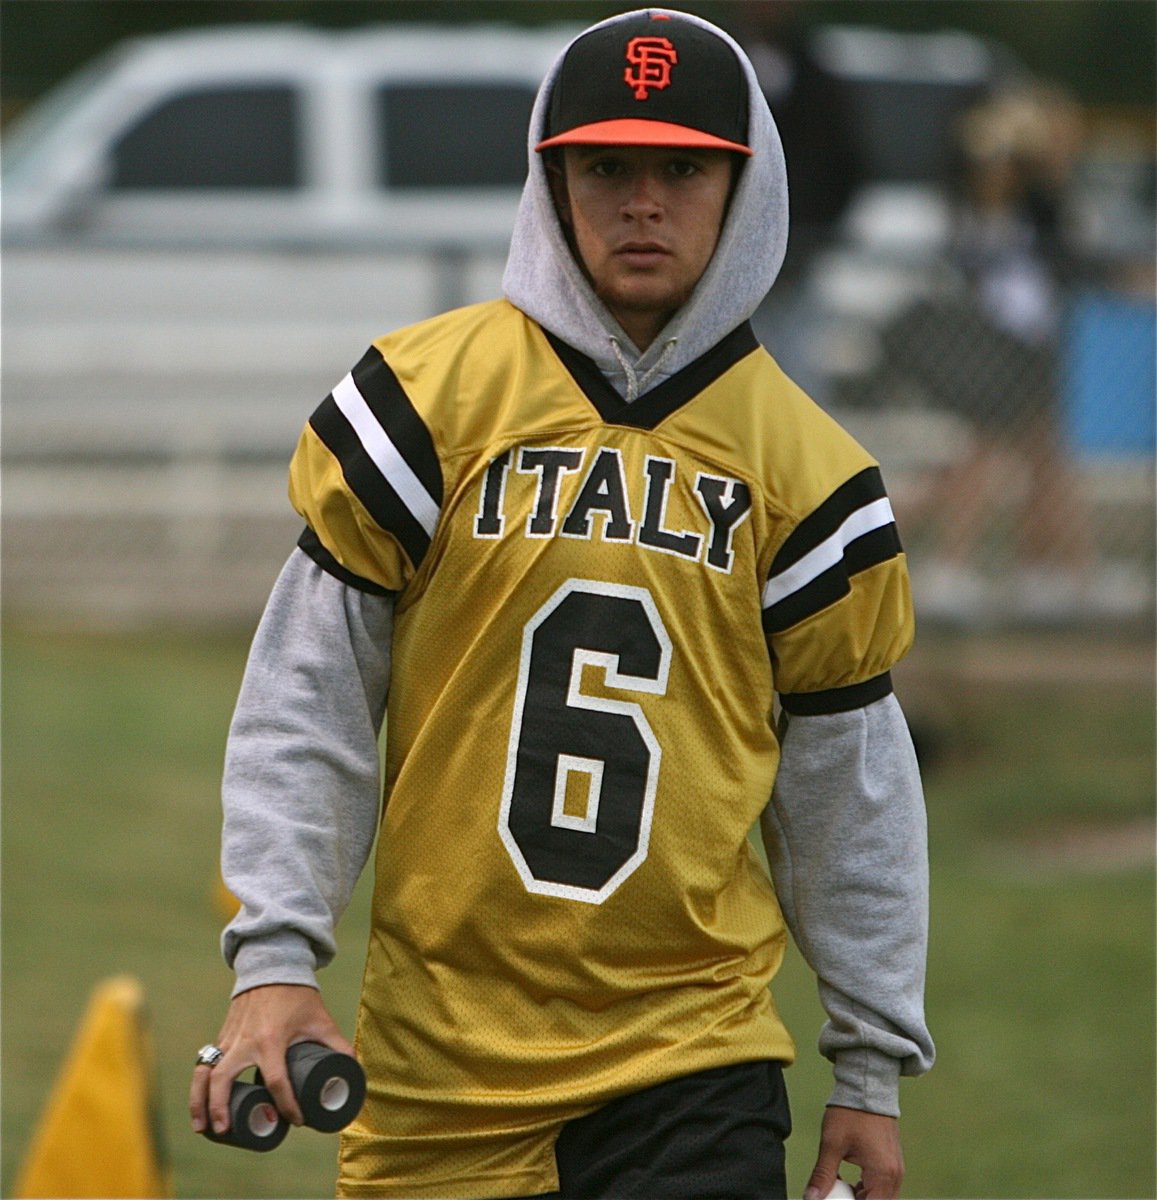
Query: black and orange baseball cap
652	79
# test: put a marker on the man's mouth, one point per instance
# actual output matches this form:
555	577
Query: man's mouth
642	254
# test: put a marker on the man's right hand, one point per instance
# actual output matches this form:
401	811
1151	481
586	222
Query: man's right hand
259	1028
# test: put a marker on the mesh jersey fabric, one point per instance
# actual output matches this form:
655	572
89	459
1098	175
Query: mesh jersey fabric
596	606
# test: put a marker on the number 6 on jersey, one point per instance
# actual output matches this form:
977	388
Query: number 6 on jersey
582	769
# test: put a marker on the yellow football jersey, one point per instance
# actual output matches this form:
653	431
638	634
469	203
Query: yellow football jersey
596	604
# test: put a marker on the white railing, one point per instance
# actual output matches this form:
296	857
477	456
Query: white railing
145	439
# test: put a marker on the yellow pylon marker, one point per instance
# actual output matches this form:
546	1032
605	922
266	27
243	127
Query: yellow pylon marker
99	1135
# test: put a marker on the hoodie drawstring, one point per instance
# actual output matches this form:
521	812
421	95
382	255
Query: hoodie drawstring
628	370
635	382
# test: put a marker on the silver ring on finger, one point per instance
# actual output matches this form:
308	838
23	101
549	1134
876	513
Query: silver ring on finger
209	1055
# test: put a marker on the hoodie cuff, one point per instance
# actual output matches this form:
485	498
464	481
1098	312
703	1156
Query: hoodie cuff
285	958
867	1080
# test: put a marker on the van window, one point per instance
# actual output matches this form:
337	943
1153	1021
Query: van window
446	135
233	137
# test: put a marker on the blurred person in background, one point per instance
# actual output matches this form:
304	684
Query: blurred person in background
990	352
578	542
824	170
811	112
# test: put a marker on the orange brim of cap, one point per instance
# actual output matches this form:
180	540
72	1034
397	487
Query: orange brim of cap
634	131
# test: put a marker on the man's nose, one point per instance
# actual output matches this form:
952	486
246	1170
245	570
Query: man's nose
644	197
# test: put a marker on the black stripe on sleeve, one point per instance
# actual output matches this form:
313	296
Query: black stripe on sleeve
819	525
835	583
837	700
367	482
396	414
868	550
310	543
393	410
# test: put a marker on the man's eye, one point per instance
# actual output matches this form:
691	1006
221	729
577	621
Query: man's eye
607	167
684	168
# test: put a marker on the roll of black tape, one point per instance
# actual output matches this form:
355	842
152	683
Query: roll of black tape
330	1087
255	1123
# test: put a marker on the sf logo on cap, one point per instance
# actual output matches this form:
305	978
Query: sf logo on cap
651	59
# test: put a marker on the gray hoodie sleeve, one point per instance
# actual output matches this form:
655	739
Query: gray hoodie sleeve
301	786
846	839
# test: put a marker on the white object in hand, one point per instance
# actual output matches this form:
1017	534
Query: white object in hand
841	1190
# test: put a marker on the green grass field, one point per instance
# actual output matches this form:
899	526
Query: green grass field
1041	981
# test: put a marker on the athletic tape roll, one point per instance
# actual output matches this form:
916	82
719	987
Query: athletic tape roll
330	1087
254	1122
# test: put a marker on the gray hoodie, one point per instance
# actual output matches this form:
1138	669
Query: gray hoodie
844	830
543	279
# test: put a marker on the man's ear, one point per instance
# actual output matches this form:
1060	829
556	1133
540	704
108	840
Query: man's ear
556	177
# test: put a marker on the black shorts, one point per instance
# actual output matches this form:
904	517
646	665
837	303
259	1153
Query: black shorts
714	1135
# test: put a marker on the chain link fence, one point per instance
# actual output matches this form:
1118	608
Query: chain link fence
1024	467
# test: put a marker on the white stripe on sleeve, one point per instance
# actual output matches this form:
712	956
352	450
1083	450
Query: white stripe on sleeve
385	455
829	552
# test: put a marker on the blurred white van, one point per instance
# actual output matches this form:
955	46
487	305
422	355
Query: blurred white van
201	232
283	136
260	199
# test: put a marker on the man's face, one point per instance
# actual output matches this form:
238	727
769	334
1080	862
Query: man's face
644	221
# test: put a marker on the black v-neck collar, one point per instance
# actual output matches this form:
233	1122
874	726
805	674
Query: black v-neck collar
660	402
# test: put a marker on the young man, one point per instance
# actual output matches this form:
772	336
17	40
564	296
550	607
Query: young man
583	537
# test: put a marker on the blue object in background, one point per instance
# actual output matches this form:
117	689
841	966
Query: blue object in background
1110	375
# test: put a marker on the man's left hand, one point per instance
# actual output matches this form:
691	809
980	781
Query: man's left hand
867	1140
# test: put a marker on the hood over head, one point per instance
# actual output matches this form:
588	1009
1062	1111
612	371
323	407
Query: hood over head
542	276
